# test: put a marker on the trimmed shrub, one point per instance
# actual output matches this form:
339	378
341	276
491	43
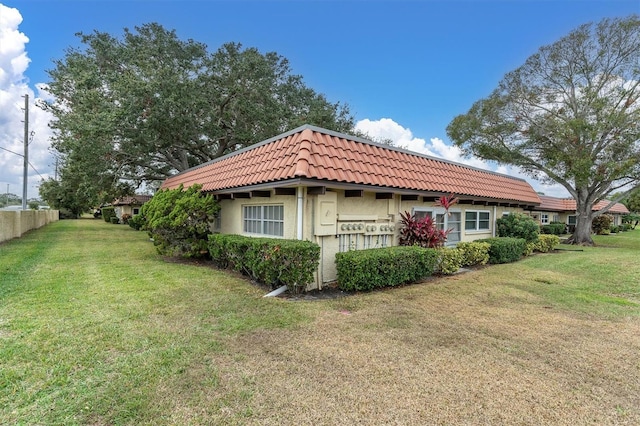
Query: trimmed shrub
179	221
125	218
114	220
364	270
614	229
108	213
518	225
529	248
546	243
474	253
272	261
554	228
137	222
505	249
449	260
601	224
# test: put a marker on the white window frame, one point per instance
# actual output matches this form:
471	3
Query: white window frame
261	224
544	218
434	212
477	221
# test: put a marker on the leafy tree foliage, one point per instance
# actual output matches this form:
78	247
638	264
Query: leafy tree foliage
632	201
144	106
570	114
178	221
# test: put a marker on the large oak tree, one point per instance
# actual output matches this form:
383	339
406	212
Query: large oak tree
146	105
570	114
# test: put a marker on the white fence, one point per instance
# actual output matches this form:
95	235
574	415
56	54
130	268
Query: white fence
14	223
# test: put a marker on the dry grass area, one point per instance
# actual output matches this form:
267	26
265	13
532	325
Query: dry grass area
433	354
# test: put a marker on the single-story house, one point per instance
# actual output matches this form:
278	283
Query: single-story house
347	193
563	210
130	204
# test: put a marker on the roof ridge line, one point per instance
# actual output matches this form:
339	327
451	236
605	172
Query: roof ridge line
304	152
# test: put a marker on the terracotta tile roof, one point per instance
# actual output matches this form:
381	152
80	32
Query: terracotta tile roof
137	200
569	205
310	152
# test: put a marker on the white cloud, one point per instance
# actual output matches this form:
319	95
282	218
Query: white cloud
386	128
14	62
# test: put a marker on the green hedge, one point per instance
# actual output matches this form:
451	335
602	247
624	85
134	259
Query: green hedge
449	260
518	225
108	213
364	270
474	253
271	261
505	249
554	228
546	243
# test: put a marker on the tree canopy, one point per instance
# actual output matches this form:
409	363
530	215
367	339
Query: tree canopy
570	114
144	106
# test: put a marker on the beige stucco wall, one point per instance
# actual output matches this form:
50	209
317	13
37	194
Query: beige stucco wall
365	211
14	224
231	213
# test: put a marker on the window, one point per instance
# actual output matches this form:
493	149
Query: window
544	218
476	221
263	220
444	221
136	211
217	222
556	218
571	220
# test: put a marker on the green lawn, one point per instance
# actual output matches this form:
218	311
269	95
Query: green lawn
96	328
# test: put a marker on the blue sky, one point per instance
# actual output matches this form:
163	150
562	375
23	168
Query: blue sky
405	68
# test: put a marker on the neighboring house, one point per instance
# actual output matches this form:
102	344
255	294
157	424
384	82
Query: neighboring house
347	193
553	209
130	204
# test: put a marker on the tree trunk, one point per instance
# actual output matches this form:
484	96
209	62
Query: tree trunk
584	218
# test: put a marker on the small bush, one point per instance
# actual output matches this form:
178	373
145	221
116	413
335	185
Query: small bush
505	249
449	260
421	232
614	229
529	248
518	225
601	224
363	270
554	228
272	261
108	213
474	253
114	220
137	222
179	221
126	217
546	243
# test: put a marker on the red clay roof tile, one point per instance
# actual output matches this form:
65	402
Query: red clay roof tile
569	205
314	153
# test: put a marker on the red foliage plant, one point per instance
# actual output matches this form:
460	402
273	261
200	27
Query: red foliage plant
447	201
421	232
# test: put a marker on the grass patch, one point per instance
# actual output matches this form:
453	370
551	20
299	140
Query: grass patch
93	323
96	328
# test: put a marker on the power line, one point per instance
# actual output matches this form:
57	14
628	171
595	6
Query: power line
8	150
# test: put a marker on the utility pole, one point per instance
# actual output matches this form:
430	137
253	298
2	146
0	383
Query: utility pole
26	152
